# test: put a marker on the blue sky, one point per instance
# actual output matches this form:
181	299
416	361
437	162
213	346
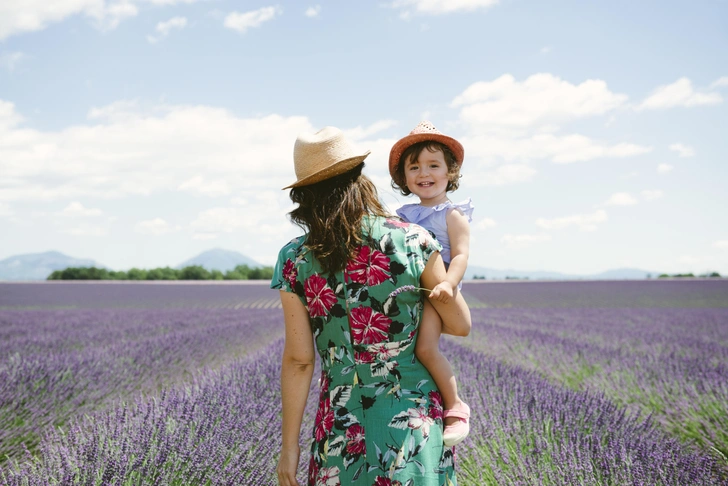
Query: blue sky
142	132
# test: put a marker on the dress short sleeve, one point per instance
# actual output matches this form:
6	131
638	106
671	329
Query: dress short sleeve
422	244
285	273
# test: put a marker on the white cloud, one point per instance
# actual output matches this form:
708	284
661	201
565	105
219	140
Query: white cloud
546	49
651	194
720	82
524	240
8	60
126	149
5	211
18	16
664	168
437	7
109	17
261	215
682	150
561	149
585	222
621	199
679	93
541	99
198	184
204	236
313	11
485	224
722	244
503	175
156	226
76	209
164	28
689	259
359	133
512	120
86	230
248	20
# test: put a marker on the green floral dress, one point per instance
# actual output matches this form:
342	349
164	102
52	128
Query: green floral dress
379	419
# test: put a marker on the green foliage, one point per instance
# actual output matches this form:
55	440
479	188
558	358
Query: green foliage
193	272
690	275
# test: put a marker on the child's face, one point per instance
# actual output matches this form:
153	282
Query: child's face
427	177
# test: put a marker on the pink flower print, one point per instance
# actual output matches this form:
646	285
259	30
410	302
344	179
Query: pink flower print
419	419
319	296
313	469
290	272
363	357
325	381
435	409
355	440
384	481
324	419
398	223
369	267
328	476
368	326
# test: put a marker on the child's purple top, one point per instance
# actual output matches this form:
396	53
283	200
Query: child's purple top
435	220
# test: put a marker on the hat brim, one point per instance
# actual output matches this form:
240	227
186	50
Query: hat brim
330	171
405	142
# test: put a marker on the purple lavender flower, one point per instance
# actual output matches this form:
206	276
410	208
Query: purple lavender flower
406	288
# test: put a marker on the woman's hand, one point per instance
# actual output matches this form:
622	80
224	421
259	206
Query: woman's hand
287	466
442	292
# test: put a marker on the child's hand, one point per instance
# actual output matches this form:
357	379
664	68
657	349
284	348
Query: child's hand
442	292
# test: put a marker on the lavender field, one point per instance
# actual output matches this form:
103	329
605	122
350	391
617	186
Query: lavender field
584	383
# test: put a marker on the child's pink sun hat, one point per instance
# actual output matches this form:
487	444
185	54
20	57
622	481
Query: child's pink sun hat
423	131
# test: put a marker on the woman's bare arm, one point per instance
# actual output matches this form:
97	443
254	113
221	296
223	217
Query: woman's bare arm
296	373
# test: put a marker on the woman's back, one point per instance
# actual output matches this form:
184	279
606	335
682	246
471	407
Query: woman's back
379	418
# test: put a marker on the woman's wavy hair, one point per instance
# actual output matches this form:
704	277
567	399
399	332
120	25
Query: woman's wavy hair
331	212
399	182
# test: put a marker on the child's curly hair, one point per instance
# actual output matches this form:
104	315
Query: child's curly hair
413	152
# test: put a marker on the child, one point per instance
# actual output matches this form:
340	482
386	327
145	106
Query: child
427	163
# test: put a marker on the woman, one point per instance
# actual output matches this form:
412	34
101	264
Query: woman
350	293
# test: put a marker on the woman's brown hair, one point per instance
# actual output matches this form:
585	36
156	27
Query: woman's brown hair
413	153
331	212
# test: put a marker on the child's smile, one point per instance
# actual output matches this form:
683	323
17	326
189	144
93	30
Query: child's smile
427	177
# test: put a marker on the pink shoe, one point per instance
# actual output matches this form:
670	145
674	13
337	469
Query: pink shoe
455	433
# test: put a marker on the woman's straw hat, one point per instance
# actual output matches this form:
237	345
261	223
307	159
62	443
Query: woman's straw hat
322	155
423	131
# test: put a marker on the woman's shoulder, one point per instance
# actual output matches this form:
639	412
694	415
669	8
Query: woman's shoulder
402	233
292	248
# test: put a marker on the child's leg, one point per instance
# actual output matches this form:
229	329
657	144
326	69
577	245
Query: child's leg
428	352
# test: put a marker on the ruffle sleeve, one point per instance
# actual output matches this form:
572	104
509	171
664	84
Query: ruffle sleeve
415	213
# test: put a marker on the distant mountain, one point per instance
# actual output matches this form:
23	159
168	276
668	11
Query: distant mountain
618	274
37	266
219	259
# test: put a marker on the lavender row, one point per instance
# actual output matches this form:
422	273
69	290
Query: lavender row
130	295
671	363
528	431
224	428
55	365
616	294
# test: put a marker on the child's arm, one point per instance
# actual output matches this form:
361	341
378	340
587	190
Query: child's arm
458	230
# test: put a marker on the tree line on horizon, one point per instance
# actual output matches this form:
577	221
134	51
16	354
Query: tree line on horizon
192	272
